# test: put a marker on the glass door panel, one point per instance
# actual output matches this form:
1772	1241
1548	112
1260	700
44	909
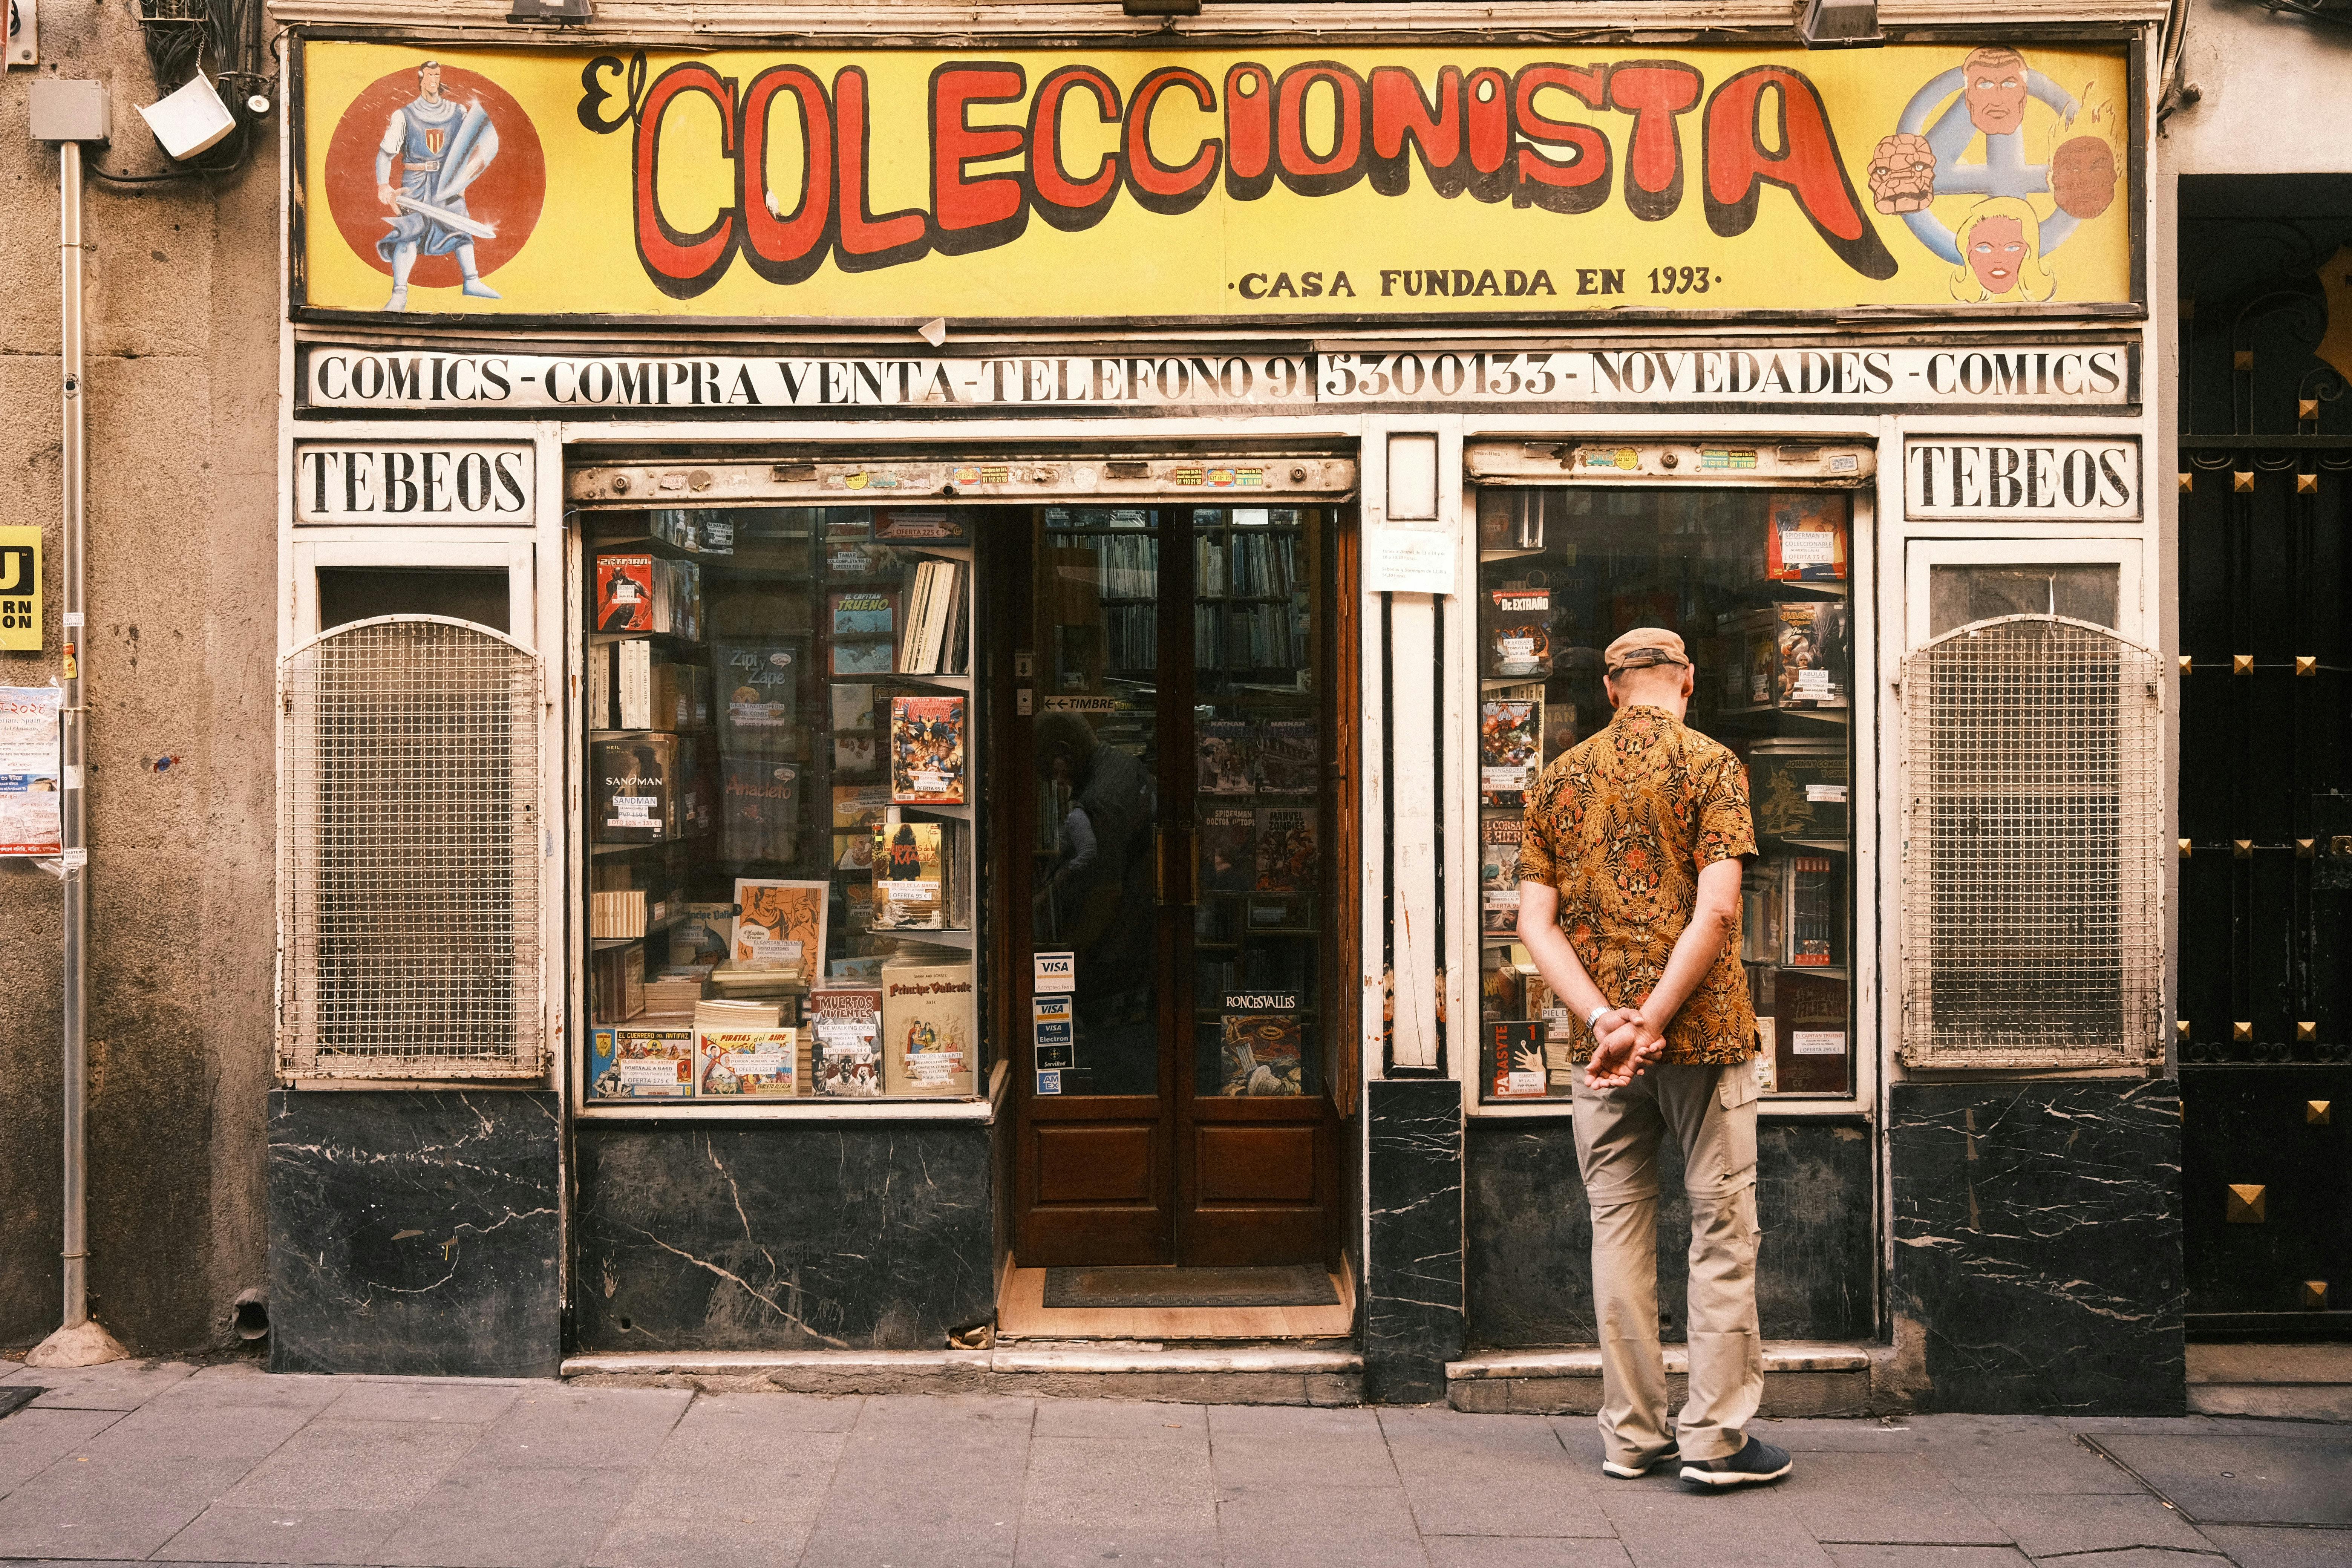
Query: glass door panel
1096	742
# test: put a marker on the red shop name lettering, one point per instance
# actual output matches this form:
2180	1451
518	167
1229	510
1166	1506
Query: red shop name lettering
1483	132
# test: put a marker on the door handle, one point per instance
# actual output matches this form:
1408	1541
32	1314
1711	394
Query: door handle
1192	860
1159	866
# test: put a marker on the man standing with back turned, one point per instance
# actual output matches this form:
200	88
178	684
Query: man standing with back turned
1629	902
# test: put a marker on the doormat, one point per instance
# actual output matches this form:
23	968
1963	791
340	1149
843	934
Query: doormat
1292	1285
15	1396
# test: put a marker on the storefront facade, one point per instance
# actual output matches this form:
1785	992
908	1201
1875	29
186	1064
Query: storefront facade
968	623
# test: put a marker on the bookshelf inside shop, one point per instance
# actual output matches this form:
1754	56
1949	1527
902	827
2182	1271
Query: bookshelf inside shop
1756	583
781	781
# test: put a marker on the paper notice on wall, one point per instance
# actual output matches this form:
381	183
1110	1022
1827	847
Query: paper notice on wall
30	822
1407	560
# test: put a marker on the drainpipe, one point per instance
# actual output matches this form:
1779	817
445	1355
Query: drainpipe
71	113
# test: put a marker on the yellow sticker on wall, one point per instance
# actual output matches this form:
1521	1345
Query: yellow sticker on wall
20	589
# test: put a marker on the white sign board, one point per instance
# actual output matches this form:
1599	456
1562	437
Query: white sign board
391	481
2021	479
1054	971
2056	374
1409	558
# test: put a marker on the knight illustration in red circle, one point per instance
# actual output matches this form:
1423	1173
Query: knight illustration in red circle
439	149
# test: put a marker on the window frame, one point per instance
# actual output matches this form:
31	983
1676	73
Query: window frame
1875	504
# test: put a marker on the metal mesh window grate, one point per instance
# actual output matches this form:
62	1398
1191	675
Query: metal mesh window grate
2032	855
409	864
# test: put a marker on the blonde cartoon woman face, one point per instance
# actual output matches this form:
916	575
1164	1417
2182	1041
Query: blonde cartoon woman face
1996	249
2000	255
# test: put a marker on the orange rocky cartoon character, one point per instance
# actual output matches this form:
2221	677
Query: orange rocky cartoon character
1903	175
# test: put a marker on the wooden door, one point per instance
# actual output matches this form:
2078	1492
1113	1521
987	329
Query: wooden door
1176	754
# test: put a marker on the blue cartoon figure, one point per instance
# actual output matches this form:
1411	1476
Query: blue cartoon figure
439	149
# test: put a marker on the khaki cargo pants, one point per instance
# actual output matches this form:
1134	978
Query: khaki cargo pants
1711	1111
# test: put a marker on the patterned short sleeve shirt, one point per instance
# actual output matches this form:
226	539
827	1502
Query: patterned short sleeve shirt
1621	825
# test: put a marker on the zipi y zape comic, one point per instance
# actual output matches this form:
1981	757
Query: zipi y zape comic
852	184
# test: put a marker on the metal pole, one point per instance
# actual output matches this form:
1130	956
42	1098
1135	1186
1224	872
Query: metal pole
71	735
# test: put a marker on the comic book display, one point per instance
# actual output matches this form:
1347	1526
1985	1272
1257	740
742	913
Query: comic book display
780	795
1757	583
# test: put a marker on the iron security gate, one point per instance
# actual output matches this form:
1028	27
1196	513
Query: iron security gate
2265	757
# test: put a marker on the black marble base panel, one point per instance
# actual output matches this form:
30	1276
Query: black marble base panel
1412	1277
2038	1244
415	1233
1530	1234
781	1235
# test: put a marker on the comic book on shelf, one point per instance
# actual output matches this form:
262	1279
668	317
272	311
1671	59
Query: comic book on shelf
1286	849
635	789
745	1064
1519	634
1261	1051
759	809
625	1063
927	750
1224	757
931	1024
1498	873
759	684
1229	849
780	924
852	706
846	1022
909	877
1812	926
1288	756
1805	539
1510	748
1516	1065
857	810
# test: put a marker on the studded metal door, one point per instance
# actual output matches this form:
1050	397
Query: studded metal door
2265	760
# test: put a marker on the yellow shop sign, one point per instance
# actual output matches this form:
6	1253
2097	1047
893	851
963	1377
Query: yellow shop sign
1208	184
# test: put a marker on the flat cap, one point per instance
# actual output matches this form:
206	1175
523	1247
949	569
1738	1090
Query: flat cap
1644	645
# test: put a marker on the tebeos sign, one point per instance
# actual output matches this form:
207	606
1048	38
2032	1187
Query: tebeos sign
2021	479
1098	184
384	481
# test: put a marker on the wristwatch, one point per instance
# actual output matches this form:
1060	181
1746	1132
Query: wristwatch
1595	1018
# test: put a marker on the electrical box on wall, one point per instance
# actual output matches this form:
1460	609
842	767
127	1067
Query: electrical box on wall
23	45
69	111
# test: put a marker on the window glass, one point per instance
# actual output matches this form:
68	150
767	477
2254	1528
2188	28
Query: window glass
348	594
1757	583
1957	595
782	793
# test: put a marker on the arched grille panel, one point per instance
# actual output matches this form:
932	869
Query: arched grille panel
410	855
2030	862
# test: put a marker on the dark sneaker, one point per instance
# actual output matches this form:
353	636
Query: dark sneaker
1753	1466
1666	1455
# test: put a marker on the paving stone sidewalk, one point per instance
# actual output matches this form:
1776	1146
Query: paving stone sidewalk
166	1462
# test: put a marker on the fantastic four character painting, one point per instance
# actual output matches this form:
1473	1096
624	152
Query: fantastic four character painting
2000	248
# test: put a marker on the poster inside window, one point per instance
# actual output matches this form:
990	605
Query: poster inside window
782	806
1757	582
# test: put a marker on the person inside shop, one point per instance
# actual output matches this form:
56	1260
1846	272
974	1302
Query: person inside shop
1099	903
1630	864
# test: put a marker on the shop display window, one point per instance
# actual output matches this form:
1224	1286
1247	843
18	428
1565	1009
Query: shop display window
1757	583
781	794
